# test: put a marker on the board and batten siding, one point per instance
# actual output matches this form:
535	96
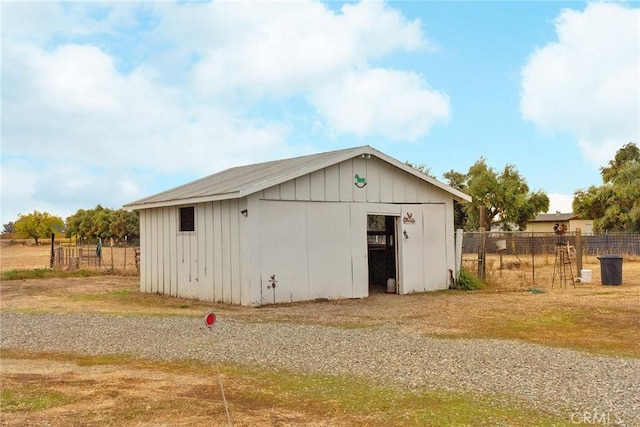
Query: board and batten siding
312	232
385	184
312	249
204	264
309	231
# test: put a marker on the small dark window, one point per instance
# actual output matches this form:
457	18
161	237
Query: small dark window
187	219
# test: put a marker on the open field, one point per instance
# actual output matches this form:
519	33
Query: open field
44	388
29	256
62	390
518	273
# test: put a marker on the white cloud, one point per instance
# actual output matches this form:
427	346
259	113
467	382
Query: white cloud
62	188
33	24
44	22
92	127
18	179
99	92
277	49
396	104
588	82
80	79
562	203
88	112
278	55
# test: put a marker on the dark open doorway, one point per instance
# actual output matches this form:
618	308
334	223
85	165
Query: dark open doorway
381	245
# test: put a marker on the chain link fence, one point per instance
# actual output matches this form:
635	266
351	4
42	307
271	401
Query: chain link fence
526	243
523	259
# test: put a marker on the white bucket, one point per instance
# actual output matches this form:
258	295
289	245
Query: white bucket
391	286
585	276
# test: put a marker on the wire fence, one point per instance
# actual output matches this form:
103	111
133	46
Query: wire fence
521	259
95	255
526	243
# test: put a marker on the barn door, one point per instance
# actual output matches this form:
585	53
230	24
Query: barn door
283	252
381	251
423	248
307	247
411	250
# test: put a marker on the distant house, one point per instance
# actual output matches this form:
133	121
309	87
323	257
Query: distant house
548	223
331	225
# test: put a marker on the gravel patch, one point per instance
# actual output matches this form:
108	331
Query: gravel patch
556	380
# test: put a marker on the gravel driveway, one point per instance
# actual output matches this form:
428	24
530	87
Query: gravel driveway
572	384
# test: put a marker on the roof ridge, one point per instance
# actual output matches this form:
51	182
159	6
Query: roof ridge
242	180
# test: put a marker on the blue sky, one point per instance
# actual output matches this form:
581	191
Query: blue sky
106	103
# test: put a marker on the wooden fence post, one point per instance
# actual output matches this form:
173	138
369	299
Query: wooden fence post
579	251
482	257
53	239
124	267
532	247
482	269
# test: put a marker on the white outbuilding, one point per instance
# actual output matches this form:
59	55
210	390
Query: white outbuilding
332	225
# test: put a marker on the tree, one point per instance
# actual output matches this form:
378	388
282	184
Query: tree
103	223
125	224
457	180
37	225
615	205
8	228
79	224
505	196
100	223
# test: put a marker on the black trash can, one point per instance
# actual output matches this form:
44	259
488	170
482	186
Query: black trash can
611	269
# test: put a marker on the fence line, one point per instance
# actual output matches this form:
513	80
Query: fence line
88	257
531	259
76	258
527	243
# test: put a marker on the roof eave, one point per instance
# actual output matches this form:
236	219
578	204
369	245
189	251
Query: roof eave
341	156
135	206
458	195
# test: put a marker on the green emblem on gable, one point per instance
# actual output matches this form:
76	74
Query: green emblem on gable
360	181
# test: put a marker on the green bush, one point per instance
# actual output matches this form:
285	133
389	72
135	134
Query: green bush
468	282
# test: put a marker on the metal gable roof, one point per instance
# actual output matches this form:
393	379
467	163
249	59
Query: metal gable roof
244	180
553	217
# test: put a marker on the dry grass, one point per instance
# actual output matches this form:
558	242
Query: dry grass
590	317
62	389
524	272
29	256
120	391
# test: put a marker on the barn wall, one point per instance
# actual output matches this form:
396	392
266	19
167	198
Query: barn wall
319	249
312	249
156	275
204	264
385	183
145	245
310	232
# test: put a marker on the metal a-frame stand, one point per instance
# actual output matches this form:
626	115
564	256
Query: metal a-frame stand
562	266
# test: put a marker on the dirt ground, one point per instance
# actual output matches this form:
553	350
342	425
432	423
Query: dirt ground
448	312
604	319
